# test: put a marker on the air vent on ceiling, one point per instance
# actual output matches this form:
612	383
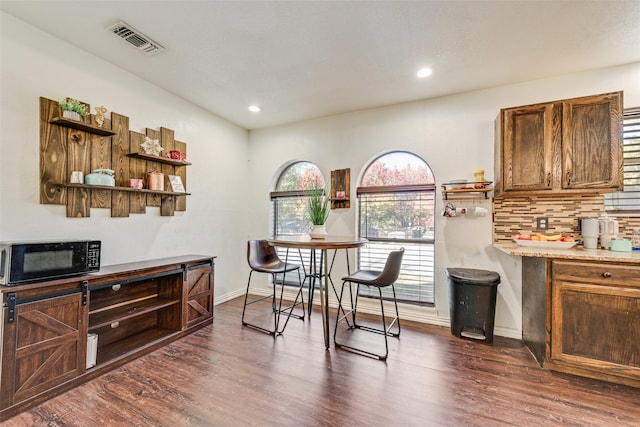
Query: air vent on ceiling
135	38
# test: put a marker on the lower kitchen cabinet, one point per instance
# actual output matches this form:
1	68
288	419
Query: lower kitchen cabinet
133	309
594	322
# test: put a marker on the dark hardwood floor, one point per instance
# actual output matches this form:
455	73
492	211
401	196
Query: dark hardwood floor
230	375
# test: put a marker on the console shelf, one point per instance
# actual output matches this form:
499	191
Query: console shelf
132	309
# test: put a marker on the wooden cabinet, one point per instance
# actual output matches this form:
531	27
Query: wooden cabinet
68	145
594	320
43	344
132	308
567	146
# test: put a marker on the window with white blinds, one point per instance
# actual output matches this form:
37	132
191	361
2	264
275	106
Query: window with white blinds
289	210
396	203
628	200
394	220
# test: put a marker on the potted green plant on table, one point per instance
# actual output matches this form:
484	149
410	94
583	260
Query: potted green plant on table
73	109
319	206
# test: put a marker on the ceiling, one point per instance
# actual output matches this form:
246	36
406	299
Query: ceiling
307	59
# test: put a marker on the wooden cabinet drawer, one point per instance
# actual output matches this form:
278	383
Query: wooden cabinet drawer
596	273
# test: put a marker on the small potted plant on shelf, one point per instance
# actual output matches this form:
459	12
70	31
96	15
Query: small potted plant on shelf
73	109
318	212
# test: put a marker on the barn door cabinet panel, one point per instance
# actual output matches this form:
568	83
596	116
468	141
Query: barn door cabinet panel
133	309
595	320
198	294
43	343
69	145
560	147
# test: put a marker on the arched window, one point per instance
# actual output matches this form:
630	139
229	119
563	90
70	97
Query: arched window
289	208
290	199
396	203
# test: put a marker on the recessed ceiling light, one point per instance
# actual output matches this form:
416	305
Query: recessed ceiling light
254	108
424	72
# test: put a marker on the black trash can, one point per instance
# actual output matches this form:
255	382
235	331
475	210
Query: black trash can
472	302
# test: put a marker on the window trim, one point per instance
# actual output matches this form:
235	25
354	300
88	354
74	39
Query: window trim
627	112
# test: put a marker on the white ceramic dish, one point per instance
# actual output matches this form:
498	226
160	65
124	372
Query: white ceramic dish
546	245
458	183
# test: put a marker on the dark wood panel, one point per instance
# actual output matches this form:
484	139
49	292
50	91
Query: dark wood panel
53	155
592	145
181	202
120	164
137	169
152	199
228	375
100	158
49	350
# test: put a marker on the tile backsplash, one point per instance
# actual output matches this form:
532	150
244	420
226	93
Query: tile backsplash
517	215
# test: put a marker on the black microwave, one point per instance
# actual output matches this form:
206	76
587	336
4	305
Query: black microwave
25	262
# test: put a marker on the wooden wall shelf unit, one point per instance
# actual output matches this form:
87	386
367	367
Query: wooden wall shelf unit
465	193
129	189
133	309
340	181
70	145
75	124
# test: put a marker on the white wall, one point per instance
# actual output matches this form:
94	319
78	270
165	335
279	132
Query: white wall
455	135
232	172
35	64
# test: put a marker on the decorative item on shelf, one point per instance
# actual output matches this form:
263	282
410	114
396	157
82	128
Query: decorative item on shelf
136	183
319	207
478	178
151	146
100	112
341	194
76	177
73	109
449	210
175	155
155	180
175	184
101	177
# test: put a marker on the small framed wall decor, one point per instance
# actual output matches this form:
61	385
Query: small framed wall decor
175	184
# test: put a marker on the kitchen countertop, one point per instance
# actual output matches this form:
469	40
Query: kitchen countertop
576	253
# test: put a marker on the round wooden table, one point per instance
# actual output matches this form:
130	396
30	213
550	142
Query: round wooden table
329	242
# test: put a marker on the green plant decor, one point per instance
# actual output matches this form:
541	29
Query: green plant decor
71	104
319	207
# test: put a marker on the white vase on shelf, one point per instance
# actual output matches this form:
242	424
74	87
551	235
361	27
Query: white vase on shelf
318	232
71	115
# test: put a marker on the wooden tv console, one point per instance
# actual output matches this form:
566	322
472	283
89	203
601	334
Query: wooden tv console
133	309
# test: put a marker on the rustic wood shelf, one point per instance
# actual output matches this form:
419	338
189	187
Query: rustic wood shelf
74	124
112	146
465	192
123	347
127	189
159	159
107	317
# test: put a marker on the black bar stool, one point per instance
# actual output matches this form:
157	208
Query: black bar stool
263	258
379	280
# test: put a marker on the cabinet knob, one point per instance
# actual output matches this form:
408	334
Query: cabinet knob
115	324
568	178
549	179
606	275
116	287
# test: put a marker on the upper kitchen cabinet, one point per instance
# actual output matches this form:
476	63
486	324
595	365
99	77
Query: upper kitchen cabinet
560	147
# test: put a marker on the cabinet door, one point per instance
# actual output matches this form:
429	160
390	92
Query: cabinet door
44	346
596	328
530	137
198	295
592	142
